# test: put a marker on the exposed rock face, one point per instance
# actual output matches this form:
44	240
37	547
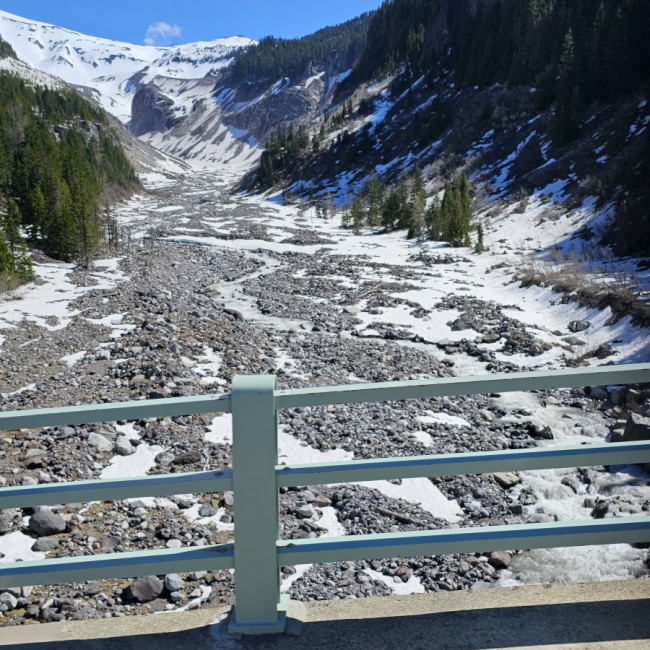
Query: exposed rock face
226	111
151	111
285	101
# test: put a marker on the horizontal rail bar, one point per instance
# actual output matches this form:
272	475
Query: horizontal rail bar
47	494
464	540
353	471
152	408
448	386
116	565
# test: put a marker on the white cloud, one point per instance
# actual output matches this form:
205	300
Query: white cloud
159	33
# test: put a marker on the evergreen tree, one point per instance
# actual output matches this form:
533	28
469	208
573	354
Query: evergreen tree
417	203
331	206
390	212
6	264
432	220
54	172
455	212
375	194
480	247
274	58
14	257
356	215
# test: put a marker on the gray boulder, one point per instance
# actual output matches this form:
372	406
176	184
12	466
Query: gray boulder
506	479
500	559
100	443
637	427
578	325
44	544
306	511
124	447
599	393
8	600
173	582
144	589
5	523
540	432
45	522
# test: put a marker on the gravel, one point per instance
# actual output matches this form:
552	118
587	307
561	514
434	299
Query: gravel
297	317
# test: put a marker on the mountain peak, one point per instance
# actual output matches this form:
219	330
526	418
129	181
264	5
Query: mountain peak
113	70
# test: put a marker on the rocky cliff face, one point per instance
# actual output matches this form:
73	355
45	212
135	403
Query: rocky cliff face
188	118
178	98
151	111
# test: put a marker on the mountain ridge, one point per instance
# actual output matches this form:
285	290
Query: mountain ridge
516	132
112	70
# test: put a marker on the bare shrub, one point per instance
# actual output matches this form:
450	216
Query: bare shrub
592	278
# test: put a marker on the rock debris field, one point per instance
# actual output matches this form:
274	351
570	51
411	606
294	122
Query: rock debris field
208	284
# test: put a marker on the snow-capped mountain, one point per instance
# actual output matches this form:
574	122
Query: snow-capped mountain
112	71
178	98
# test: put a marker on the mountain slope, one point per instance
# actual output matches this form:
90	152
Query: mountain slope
184	99
224	118
482	89
111	71
61	166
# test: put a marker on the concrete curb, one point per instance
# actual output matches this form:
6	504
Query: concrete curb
598	616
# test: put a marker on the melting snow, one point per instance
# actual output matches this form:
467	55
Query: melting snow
17	547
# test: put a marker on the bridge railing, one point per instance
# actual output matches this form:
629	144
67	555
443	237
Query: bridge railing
258	552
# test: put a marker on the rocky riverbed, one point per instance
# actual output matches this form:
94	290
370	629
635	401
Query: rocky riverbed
207	285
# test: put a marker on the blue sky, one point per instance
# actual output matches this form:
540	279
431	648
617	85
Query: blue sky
163	22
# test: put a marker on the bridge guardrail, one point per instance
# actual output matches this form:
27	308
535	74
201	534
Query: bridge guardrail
256	477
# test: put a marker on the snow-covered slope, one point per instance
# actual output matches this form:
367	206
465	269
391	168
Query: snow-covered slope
201	134
176	98
113	71
30	75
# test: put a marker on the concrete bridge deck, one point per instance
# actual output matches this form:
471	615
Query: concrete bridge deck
598	616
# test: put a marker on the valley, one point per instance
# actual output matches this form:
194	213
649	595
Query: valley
210	283
280	208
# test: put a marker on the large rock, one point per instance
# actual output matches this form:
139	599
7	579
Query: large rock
44	544
506	479
124	447
144	589
600	510
500	559
307	511
109	542
173	582
5	523
463	322
540	432
45	522
637	427
100	443
8	600
599	393
578	325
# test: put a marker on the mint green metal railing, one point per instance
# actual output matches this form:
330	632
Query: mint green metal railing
256	477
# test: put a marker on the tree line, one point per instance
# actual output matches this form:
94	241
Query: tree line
58	158
281	153
574	52
274	58
403	205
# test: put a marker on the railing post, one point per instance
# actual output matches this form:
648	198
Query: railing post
258	609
